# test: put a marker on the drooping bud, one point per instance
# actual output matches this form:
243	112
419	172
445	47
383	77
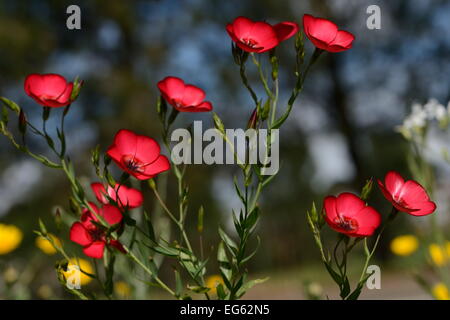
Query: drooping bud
22	122
253	120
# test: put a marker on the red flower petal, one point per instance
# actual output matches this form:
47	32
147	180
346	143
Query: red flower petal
393	183
51	90
100	192
111	214
242	27
79	234
171	88
126	197
349	204
125	141
147	149
159	165
329	205
320	29
95	250
324	34
285	30
412	192
343	39
424	208
368	221
192	95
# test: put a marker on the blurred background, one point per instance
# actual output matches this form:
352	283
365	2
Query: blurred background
341	131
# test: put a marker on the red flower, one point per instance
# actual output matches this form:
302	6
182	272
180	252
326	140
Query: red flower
259	36
325	35
49	90
137	155
409	196
350	215
121	194
92	237
183	97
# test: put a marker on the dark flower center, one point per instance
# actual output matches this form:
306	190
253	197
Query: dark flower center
345	223
178	104
96	234
249	42
133	164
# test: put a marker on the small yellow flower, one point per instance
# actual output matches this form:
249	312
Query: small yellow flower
45	292
212	282
440	292
438	254
46	245
122	289
10	238
404	245
76	265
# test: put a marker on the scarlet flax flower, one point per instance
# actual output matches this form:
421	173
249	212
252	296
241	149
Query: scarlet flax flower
124	197
406	196
137	155
259	36
93	237
325	35
49	90
183	97
349	214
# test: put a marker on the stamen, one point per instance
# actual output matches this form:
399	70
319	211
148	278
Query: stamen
345	223
249	42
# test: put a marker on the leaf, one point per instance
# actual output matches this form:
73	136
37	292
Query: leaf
166	251
221	295
252	219
248	285
246	259
345	289
199	289
336	277
355	294
10	104
238	191
224	264
151	231
109	284
229	243
178	284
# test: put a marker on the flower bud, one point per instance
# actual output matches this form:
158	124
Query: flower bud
22	122
77	84
253	121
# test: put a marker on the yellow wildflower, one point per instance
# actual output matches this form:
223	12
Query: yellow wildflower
46	245
438	254
404	245
212	282
79	265
11	237
122	289
440	292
